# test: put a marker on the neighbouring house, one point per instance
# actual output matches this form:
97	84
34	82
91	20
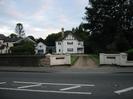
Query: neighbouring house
6	43
25	39
69	43
40	48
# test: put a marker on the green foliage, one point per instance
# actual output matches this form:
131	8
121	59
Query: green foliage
23	48
32	38
13	35
52	38
130	54
73	59
129	51
109	25
95	58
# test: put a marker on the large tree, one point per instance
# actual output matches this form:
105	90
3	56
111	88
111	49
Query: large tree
52	38
20	30
110	24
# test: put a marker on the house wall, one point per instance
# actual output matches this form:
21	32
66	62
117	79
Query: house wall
7	47
59	47
40	46
1	42
69	45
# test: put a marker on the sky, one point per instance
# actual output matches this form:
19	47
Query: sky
41	17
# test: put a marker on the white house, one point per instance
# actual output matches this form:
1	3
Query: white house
6	43
40	48
69	43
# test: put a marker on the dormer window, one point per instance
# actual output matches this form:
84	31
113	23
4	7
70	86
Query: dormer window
79	43
59	43
69	43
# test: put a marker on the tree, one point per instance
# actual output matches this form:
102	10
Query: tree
80	32
13	35
32	38
108	21
20	30
52	38
23	48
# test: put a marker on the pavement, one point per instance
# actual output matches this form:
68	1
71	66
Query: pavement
47	69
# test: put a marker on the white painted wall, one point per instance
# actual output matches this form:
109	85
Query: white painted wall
64	46
40	46
59	48
60	60
7	48
117	59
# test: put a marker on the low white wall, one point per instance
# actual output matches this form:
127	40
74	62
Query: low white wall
115	59
60	60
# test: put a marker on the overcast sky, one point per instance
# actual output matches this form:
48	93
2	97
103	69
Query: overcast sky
41	17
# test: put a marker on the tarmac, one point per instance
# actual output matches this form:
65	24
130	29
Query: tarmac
64	69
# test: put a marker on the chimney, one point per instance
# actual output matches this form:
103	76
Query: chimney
62	32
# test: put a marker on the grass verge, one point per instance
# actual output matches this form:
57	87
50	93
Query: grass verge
73	59
95	58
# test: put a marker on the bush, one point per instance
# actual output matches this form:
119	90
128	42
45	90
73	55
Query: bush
130	54
23	48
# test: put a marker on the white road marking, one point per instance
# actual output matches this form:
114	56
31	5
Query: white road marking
46	91
22	82
2	82
68	88
123	90
29	86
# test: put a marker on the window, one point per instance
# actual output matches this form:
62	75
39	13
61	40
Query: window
59	50
59	43
69	43
79	49
40	51
79	43
70	49
7	44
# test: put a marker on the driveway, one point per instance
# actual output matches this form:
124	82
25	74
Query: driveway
84	61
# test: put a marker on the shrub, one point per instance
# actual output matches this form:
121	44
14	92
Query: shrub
130	54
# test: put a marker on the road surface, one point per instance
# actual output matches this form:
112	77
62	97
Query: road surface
72	85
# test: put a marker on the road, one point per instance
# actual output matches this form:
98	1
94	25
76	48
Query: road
72	85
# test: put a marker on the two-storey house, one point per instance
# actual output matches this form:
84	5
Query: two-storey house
69	44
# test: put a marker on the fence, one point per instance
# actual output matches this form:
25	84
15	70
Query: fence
115	59
20	60
60	60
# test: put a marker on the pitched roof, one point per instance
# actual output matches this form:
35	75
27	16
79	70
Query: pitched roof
2	36
2	47
7	39
25	39
66	33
